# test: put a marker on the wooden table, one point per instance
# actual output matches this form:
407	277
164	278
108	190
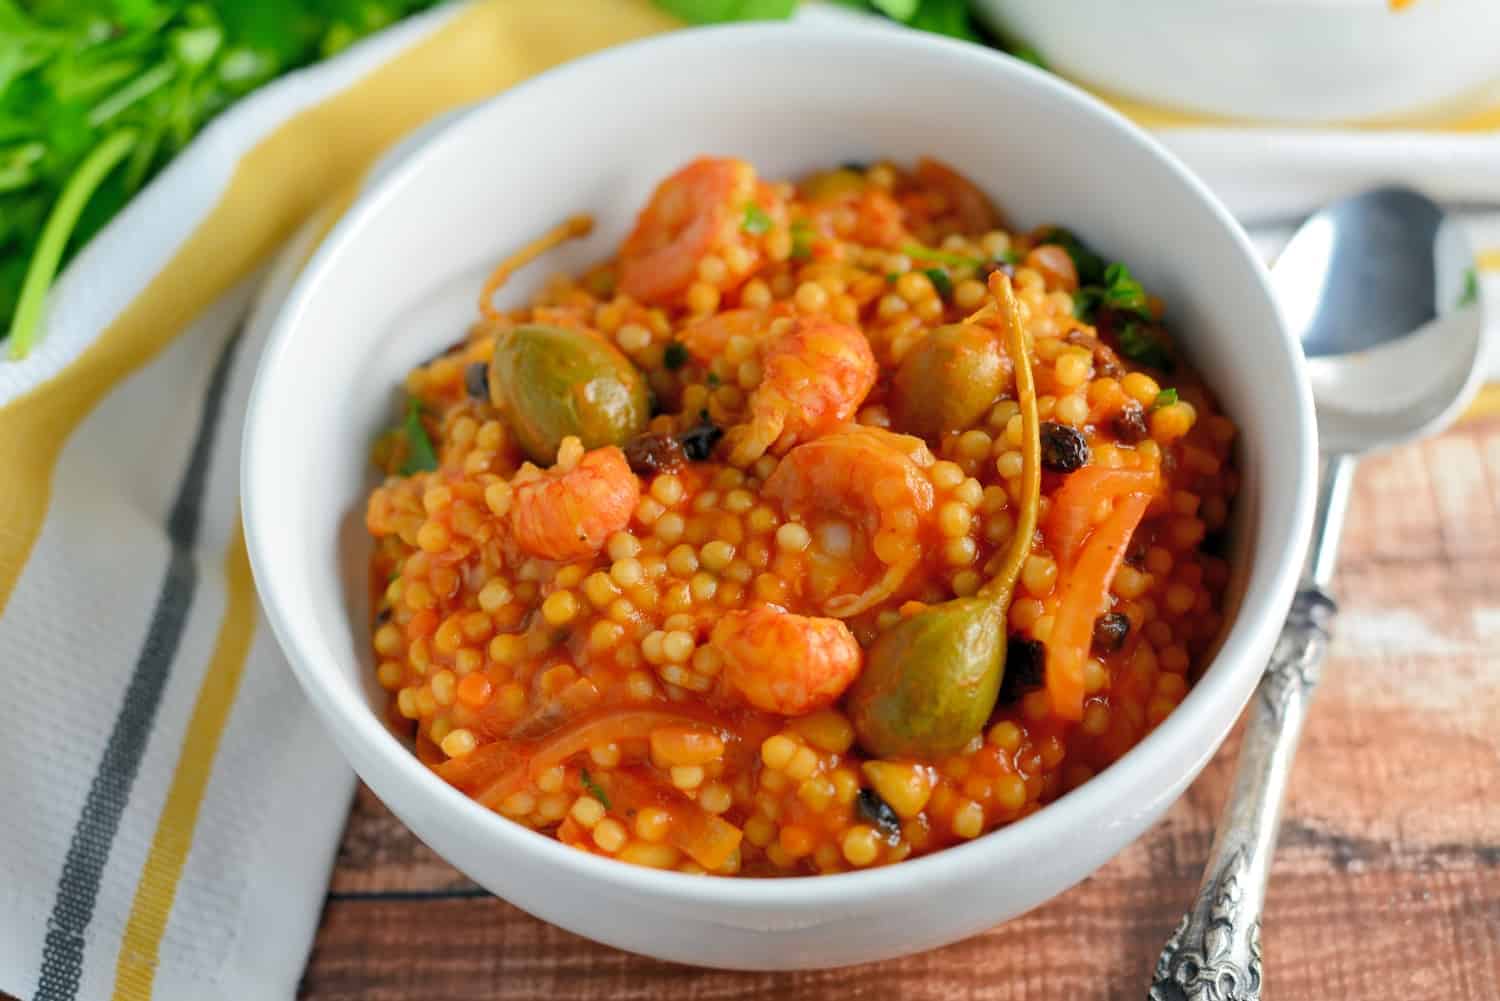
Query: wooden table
1387	885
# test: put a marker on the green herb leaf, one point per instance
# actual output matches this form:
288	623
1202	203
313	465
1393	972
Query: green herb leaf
1008	256
1120	292
1470	294
802	239
713	381
593	788
1027	54
756	221
720	11
1139	344
940	281
674	356
921	253
945	17
1089	265
60	225
420	455
1165	398
899	10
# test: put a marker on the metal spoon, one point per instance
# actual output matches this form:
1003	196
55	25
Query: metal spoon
1380	290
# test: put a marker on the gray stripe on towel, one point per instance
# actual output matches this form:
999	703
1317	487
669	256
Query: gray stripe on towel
109	793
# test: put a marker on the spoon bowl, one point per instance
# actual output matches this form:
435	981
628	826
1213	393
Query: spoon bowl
1380	290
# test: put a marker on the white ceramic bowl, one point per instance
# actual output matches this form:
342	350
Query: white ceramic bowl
397	280
1287	60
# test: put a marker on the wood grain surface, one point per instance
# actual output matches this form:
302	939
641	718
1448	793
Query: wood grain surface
1387	883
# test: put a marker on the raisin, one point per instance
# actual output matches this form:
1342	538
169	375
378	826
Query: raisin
1064	449
877	812
1130	424
698	442
477	381
1110	630
653	453
1025	668
1106	362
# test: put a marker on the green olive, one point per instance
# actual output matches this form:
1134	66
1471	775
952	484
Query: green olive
948	381
930	682
552	382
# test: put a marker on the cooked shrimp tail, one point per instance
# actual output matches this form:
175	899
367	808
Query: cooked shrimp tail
817	373
570	510
785	663
865	490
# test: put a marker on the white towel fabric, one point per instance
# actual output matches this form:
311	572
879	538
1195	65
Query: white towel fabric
109	633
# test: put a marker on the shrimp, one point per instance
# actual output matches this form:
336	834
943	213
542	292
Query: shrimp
816	374
863	494
703	211
706	339
570	510
785	663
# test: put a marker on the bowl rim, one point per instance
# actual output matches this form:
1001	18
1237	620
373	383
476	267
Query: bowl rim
1263	604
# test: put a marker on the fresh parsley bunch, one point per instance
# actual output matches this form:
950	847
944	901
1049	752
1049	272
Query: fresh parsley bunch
96	96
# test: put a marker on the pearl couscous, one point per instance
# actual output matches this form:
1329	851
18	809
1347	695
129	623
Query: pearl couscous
827	524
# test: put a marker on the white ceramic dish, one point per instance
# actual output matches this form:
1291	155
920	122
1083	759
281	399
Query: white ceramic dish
397	279
1283	60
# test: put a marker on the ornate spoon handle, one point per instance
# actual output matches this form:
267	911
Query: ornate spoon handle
1214	955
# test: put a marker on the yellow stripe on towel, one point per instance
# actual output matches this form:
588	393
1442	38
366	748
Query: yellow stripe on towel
135	969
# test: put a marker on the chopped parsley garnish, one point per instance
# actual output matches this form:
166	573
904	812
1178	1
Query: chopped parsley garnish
921	253
940	281
1139	345
593	788
675	356
1470	294
802	240
420	456
1008	256
892	277
1165	398
713	380
1119	292
1089	265
756	221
